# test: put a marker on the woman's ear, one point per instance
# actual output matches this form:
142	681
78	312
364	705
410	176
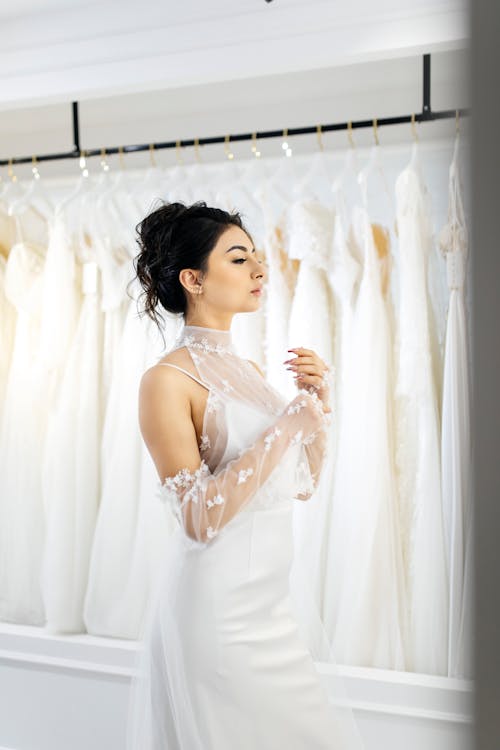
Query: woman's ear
189	280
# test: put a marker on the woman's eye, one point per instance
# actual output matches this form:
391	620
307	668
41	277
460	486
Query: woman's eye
239	260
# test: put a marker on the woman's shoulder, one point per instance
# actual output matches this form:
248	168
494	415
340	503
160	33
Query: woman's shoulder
160	374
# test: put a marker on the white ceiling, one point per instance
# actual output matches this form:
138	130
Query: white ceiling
22	8
53	51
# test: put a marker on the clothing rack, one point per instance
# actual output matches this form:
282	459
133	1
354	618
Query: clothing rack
426	115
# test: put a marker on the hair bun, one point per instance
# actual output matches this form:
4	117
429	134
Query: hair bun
172	237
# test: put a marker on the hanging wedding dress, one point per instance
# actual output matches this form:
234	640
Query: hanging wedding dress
418	440
72	466
344	270
61	292
116	215
281	273
131	532
311	314
456	454
223	664
364	541
311	325
24	416
7	331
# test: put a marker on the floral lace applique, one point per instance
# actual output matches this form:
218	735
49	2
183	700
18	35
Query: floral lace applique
227	386
217	500
213	402
269	439
243	475
295	408
310	438
192	341
184	478
205	443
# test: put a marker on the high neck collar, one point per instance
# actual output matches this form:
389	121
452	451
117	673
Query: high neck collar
208	339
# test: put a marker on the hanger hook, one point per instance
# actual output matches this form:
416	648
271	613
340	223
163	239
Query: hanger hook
10	171
83	163
349	134
413	128
320	140
255	150
104	163
34	168
285	145
375	131
121	157
197	150
227	148
178	152
152	154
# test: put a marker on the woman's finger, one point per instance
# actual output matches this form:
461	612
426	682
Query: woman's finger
308	369
310	379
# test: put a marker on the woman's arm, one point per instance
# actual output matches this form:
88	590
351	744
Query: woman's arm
204	501
314	375
313	454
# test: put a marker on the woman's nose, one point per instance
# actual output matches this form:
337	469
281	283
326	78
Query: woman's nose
259	273
260	270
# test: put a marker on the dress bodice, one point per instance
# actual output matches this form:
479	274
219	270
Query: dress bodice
23	276
240	406
453	239
311	232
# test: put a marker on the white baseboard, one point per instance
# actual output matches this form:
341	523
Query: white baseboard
63	692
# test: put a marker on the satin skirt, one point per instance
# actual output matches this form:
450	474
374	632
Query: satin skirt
224	664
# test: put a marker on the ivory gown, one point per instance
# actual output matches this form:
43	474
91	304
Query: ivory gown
418	435
223	664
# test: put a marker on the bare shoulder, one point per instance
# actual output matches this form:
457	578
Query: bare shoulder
157	373
165	417
162	391
256	367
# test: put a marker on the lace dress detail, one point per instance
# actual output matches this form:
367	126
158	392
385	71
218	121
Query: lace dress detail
231	477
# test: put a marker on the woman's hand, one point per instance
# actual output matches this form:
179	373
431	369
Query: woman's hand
311	373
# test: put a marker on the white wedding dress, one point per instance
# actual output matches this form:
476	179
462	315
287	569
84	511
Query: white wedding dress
72	469
22	429
456	449
365	550
344	273
223	664
131	530
418	434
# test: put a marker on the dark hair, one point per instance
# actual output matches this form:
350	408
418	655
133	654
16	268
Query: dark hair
172	237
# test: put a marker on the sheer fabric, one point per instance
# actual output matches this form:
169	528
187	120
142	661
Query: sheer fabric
418	439
223	661
456	451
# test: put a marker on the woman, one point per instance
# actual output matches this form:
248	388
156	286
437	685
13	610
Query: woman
223	664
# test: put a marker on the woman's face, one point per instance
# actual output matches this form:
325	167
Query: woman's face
234	271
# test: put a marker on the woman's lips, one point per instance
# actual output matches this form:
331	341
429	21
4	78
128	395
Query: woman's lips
258	292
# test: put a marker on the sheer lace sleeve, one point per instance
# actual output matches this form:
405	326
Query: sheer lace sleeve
206	501
311	459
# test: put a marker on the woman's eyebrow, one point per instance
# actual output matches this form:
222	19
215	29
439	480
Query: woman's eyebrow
239	247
